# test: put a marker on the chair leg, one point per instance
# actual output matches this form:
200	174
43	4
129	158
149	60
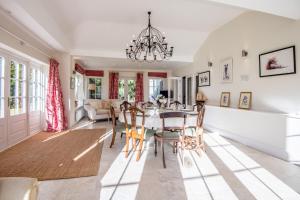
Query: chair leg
163	154
134	143
127	146
173	147
140	149
113	138
155	146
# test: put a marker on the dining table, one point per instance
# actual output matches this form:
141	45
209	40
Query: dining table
153	120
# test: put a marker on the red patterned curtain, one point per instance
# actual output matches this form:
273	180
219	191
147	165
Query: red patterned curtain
56	120
113	85
139	90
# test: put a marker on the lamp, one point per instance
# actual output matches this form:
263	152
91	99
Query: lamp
91	87
244	53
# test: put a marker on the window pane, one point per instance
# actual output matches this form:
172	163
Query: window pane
131	90
12	106
1	67
12	87
22	72
1	107
12	70
1	88
91	80
98	81
121	89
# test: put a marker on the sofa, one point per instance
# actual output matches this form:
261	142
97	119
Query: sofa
98	109
13	188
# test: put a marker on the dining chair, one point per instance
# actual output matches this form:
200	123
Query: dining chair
124	105
117	127
199	105
192	138
134	131
176	104
170	133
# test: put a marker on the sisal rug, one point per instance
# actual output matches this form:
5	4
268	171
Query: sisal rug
48	156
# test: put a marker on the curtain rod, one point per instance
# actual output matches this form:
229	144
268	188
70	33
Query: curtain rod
24	42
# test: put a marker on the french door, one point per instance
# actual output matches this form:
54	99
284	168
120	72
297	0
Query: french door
17	102
22	92
126	89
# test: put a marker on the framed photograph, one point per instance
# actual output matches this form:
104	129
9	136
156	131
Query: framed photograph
72	83
204	79
278	62
225	99
245	100
227	70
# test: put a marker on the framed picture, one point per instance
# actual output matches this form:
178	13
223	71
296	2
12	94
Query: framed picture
225	99
72	83
245	100
227	70
204	79
278	62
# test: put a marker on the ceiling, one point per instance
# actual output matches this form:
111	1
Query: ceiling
123	63
102	29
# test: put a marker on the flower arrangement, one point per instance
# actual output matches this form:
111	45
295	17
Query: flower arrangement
161	100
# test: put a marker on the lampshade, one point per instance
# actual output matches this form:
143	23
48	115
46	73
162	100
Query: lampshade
91	87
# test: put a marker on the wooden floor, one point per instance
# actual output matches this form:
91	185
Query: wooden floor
49	156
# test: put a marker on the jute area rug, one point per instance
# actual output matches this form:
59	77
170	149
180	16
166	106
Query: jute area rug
49	156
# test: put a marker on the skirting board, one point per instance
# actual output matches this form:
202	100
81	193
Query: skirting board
276	152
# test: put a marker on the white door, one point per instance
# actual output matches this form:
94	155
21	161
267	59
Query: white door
3	104
17	128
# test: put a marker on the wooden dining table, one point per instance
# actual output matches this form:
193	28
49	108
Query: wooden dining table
153	120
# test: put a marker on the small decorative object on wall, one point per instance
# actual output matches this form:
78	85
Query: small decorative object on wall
204	79
72	83
245	100
225	99
227	70
278	62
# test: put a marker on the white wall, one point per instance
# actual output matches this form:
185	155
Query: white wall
257	33
266	128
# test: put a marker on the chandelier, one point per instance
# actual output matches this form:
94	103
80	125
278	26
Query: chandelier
149	46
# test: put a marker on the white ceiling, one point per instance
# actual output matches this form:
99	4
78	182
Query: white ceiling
101	28
125	64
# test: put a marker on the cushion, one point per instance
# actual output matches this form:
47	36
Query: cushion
105	104
102	111
168	134
116	103
12	188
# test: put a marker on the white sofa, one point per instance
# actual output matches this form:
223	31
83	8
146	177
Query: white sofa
97	109
14	188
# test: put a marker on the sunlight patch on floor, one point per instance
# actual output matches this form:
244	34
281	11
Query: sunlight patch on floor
260	182
201	178
121	181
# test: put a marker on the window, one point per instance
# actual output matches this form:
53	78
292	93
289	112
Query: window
17	99
1	87
94	88
126	90
79	95
155	85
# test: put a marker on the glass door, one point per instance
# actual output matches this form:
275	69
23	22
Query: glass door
126	89
17	119
3	105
